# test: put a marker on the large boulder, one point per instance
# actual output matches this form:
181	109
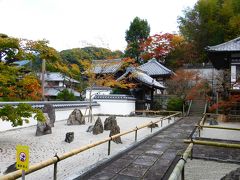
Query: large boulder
44	128
110	122
76	118
115	130
98	127
50	110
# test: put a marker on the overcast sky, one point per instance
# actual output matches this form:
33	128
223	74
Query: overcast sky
78	23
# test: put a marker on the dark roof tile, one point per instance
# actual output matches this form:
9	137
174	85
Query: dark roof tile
233	45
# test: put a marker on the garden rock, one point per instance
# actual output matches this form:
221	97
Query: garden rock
235	174
76	118
98	127
44	128
10	168
90	128
115	130
132	114
110	122
69	137
154	125
213	122
50	110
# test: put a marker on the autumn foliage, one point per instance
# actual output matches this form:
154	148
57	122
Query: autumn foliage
15	85
226	105
159	46
200	89
183	83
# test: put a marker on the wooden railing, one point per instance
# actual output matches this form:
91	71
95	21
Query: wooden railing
179	168
54	160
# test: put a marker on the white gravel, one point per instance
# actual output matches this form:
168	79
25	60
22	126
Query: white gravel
207	170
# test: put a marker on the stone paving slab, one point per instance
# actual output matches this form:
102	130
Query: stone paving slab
151	159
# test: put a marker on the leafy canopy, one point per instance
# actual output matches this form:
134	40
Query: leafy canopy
137	33
21	113
210	22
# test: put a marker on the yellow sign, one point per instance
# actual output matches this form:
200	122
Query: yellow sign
22	157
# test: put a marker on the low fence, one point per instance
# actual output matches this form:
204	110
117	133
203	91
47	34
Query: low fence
178	171
54	160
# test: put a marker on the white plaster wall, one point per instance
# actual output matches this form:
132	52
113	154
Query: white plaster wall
116	107
61	114
95	92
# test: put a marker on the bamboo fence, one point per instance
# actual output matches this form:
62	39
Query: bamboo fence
213	143
178	170
54	160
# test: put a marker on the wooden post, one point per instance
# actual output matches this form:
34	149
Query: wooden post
136	134
151	126
151	105
55	171
109	147
183	174
43	78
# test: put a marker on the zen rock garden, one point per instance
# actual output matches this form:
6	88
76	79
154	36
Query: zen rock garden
110	123
77	118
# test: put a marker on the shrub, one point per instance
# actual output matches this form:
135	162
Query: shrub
175	104
66	95
157	104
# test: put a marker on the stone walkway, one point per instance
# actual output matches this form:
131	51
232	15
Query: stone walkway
150	160
156	157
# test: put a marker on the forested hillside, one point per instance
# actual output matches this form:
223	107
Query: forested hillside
75	55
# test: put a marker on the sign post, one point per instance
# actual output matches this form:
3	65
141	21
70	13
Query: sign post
22	159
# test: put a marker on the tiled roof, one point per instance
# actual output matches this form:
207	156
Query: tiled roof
114	96
21	63
99	88
142	77
106	66
55	91
153	68
233	45
56	76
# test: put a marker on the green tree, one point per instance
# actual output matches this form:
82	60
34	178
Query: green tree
210	22
76	55
10	49
137	33
19	114
66	95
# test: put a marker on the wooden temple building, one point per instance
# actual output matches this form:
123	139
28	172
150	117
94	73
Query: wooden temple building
149	78
227	56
